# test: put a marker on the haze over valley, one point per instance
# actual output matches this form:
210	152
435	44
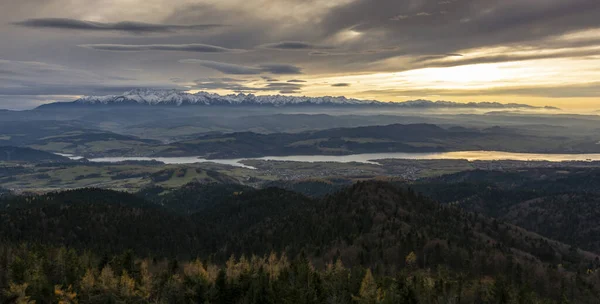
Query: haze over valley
322	151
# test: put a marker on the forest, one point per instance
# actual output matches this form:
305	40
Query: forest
372	242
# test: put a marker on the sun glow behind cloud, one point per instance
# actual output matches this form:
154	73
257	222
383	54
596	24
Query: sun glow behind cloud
519	81
508	82
394	51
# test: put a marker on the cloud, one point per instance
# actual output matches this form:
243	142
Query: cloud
319	53
177	80
24	102
295	45
235	69
343	37
123	26
399	17
281	69
361	52
221	79
584	90
14	73
296	80
492	23
32	78
225	68
507	56
10	73
269	79
284	86
59	89
223	84
404	17
193	47
339	85
247	86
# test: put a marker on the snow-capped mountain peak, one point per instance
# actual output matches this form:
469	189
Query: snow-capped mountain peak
158	97
179	98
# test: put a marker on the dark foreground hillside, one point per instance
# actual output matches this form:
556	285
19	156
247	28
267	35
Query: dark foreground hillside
562	204
370	243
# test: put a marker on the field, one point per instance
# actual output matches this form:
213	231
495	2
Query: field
136	175
133	176
128	177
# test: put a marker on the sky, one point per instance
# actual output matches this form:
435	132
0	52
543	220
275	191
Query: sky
540	52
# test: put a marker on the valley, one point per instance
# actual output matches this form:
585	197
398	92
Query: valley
299	152
477	206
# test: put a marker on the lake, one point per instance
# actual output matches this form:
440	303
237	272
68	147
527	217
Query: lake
369	157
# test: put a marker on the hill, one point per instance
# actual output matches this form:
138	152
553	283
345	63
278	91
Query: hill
371	139
558	203
71	137
99	220
28	155
394	232
193	197
314	188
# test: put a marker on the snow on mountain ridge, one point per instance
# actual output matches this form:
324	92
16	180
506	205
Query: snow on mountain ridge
175	97
179	98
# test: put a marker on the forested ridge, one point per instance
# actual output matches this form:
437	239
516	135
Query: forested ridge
373	242
562	204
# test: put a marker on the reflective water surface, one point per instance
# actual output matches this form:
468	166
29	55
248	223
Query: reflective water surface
369	157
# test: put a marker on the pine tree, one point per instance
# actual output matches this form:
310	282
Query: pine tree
369	293
17	293
126	286
411	260
65	296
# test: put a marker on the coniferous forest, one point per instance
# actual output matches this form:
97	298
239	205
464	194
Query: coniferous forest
373	242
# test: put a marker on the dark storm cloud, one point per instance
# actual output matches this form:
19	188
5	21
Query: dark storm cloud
340	85
294	46
123	26
235	69
194	47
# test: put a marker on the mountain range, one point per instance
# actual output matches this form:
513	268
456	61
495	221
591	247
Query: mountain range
151	97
